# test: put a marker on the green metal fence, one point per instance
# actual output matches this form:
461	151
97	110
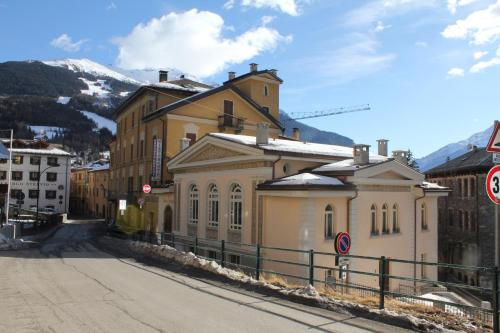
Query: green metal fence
252	259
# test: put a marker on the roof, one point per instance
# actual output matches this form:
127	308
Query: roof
193	98
477	159
348	165
289	146
304	181
50	151
433	187
265	71
102	167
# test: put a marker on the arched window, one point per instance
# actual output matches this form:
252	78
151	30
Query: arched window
373	219
423	216
193	204
395	218
329	232
235	207
385	219
213	206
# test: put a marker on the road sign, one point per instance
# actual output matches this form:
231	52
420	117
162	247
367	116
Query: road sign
122	205
146	188
342	243
20	196
494	143
493	184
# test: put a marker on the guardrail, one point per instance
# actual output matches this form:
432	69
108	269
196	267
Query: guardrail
229	254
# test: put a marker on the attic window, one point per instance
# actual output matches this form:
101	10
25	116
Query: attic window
266	90
266	109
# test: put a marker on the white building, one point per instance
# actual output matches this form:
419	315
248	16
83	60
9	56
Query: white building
33	161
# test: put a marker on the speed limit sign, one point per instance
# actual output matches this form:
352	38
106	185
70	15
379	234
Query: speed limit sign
493	184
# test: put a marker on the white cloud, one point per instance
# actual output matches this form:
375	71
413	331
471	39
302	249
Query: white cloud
479	54
289	7
454	4
192	41
482	65
228	4
360	57
66	43
381	27
481	26
111	6
377	10
265	20
421	44
456	71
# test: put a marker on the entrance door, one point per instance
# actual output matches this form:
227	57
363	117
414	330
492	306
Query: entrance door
167	220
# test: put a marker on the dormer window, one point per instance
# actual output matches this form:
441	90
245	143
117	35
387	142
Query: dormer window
266	90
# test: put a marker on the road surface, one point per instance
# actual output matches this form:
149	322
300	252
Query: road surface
69	285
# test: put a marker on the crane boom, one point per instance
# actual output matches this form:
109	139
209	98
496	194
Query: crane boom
328	112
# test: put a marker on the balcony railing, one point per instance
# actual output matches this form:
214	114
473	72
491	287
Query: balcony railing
232	122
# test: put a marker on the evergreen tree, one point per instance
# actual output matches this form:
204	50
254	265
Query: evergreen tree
412	163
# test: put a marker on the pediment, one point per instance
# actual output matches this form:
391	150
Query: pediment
212	152
389	175
389	172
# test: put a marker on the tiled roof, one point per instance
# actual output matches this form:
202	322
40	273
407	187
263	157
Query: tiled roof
475	160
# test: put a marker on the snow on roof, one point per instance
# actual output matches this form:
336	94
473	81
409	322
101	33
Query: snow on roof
290	145
186	87
100	167
348	165
433	187
307	179
50	151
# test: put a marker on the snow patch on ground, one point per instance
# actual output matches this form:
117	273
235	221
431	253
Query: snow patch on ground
124	93
10	244
97	88
63	99
100	121
308	292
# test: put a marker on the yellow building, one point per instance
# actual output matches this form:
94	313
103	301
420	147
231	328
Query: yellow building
298	195
158	119
98	191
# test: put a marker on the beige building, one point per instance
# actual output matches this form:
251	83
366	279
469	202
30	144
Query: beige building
298	195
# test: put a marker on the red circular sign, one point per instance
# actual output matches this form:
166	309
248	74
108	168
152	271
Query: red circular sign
146	188
342	243
493	184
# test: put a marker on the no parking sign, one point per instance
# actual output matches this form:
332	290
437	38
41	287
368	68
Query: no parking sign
342	243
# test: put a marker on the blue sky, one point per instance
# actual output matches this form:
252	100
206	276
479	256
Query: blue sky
428	68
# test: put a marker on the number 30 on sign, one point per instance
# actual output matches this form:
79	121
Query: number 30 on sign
493	184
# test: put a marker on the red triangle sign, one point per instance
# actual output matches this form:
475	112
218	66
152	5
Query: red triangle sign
494	143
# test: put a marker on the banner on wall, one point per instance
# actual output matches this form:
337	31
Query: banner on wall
156	166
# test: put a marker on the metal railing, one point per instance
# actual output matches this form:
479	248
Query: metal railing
230	121
254	260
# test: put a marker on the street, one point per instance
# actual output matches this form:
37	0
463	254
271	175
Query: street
68	285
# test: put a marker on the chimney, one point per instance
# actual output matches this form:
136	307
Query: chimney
231	75
182	76
185	143
262	134
400	156
253	67
296	133
382	147
163	76
361	154
471	147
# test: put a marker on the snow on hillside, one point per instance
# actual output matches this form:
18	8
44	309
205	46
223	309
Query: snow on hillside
91	67
48	131
63	99
100	121
97	88
453	150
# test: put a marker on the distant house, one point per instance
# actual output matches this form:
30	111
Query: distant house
466	216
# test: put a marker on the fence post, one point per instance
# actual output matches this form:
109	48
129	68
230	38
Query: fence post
162	238
257	264
381	279
222	253
311	267
196	245
173	240
496	328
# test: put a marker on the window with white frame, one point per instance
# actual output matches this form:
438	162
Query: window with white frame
385	219
395	218
193	204
235	207
373	220
329	222
213	206
423	217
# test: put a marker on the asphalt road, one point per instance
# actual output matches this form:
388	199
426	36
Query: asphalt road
69	285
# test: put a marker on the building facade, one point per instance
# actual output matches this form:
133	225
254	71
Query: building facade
466	216
38	165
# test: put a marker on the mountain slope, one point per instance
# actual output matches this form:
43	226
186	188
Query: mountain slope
312	134
453	150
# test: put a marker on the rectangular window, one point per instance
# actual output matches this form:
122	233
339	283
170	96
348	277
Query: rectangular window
266	109
3	175
142	148
34	176
228	107
50	194
3	161
130	184
423	273
33	194
466	188
212	254
234	259
191	137
35	160
133	119
51	176
472	187
17	175
52	161
131	151
450	217
17	194
18	159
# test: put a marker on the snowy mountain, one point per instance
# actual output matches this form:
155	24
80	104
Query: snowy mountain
453	150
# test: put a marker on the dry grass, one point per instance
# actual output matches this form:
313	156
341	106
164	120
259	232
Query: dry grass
279	281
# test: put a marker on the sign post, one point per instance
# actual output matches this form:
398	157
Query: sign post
491	185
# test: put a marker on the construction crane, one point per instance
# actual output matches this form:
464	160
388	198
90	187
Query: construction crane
328	112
